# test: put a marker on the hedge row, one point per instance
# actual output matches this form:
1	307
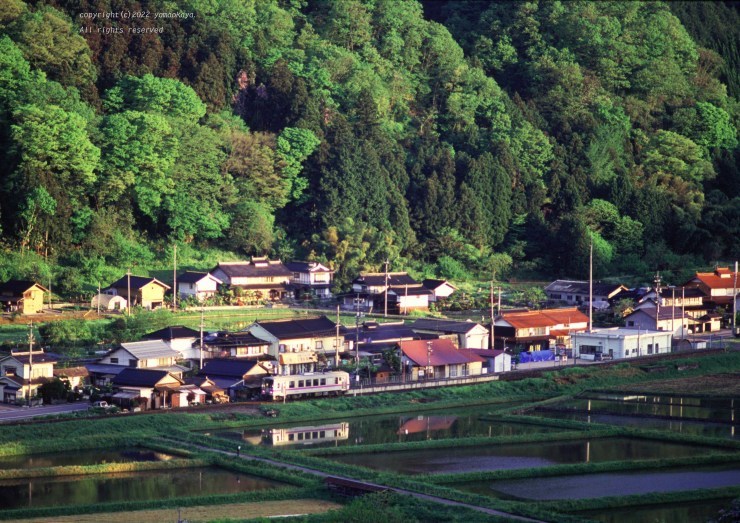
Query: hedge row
101	468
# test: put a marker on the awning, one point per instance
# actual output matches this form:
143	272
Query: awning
296	358
126	395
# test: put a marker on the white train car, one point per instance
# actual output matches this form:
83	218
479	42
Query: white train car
331	383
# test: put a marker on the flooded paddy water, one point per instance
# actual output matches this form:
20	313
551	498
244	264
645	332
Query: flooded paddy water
126	486
600	485
692	512
396	428
82	457
521	455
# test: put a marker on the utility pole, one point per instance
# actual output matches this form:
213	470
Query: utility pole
591	287
30	360
657	300
493	319
128	291
201	337
673	310
174	280
385	309
357	331
51	306
683	309
98	298
336	343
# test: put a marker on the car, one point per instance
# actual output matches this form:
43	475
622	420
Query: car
100	405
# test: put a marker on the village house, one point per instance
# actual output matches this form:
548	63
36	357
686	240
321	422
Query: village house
75	377
680	324
310	278
528	330
23	372
197	285
235	345
373	338
152	389
494	360
146	292
299	344
22	296
238	378
396	292
152	354
266	279
184	340
620	343
577	293
437	359
441	289
214	393
464	334
717	286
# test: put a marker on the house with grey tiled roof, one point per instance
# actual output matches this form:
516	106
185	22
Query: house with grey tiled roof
268	279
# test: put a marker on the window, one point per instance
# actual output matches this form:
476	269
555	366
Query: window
296	275
300	383
281	347
630	323
650	348
114	360
10	371
292	385
190	286
319	344
316	383
453	371
132	364
291	437
323	381
336	381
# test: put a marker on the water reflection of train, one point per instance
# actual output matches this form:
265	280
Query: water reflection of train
300	385
306	435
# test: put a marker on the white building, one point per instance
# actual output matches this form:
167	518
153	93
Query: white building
200	285
620	343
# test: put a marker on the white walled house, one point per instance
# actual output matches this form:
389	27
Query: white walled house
467	334
23	372
153	354
184	340
199	285
621	343
311	277
440	289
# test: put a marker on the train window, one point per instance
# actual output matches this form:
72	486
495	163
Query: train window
300	383
323	381
322	434
316	383
336	381
300	436
291	437
292	384
315	435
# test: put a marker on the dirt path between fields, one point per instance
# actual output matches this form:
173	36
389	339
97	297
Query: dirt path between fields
262	509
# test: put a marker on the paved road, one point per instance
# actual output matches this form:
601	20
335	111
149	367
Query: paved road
10	414
405	492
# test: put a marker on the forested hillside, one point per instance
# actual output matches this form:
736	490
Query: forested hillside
453	138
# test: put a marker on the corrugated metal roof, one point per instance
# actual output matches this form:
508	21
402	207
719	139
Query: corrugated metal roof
144	350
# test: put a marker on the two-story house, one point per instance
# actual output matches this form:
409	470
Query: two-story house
235	345
528	330
310	278
717	286
198	285
572	292
27	297
145	291
394	292
22	373
464	334
297	345
184	340
689	304
152	354
267	279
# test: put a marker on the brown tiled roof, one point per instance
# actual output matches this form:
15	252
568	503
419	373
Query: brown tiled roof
544	318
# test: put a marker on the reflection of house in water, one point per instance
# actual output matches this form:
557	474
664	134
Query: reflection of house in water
306	435
426	424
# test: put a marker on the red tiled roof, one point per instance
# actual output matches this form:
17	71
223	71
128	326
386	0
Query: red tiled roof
714	280
544	318
443	353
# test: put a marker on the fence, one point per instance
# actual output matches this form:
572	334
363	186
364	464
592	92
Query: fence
368	385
